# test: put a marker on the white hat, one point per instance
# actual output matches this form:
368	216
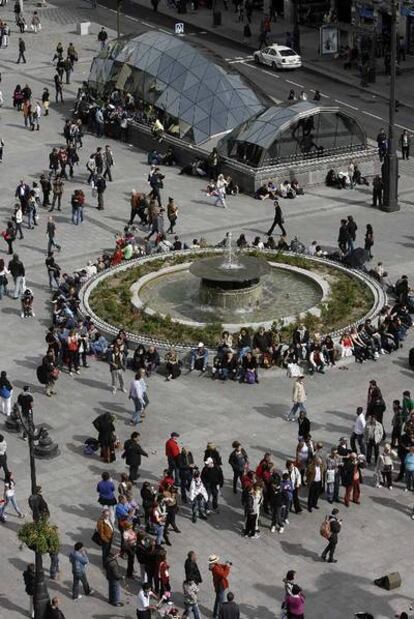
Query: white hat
213	559
209	461
200	345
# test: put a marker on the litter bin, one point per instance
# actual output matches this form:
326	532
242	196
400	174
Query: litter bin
217	18
372	77
83	28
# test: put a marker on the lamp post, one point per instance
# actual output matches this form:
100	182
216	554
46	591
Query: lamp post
118	18
390	175
41	595
296	27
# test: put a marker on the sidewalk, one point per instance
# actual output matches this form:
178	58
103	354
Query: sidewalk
232	30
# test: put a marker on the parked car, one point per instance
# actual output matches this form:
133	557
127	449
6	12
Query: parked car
278	57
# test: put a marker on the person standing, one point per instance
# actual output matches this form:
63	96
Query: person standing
3	455
46	100
220	573
315	478
229	609
377	190
108	163
29	577
100	186
133	453
6	393
352	229
53	611
18	219
113	575
172	451
351	478
105	530
238	461
295	603
278	220
25	401
17	270
22	49
343	236
405	141
212	478
79	560
369	240
57	187
358	434
144	601
117	368
102	37
298	398
335	528
374	433
58	88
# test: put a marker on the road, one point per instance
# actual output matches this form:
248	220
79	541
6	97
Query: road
371	111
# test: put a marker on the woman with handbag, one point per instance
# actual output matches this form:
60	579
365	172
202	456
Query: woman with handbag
6	392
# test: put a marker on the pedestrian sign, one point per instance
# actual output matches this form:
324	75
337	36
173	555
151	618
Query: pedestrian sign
179	28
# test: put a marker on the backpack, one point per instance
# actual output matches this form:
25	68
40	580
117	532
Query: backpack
325	529
250	377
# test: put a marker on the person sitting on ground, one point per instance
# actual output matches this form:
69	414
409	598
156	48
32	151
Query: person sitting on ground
199	358
151	360
158	129
248	369
270	243
232	189
296	187
241	242
283	244
357	178
286	191
168	158
172	364
317	361
258	243
154	157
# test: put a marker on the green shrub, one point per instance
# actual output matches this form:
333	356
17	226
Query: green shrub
41	536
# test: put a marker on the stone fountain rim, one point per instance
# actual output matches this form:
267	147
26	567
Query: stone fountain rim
213	269
379	295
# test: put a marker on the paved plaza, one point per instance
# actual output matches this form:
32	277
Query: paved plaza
376	536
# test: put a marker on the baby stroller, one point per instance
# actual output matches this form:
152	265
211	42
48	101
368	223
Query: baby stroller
27	304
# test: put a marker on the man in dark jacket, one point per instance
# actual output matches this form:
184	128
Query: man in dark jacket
212	478
53	611
277	220
335	526
113	574
237	460
100	188
17	270
343	236
191	568
229	609
22	49
29	576
133	452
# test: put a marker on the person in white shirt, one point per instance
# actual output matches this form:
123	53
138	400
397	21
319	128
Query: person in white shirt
143	602
138	394
358	434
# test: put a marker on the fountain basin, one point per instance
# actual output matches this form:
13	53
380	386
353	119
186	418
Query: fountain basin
231	285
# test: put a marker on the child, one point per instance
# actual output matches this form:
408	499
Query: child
27	303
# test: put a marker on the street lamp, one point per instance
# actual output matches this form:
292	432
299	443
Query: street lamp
390	172
41	595
118	18
296	27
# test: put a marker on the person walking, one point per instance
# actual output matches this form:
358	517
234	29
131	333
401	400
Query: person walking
79	561
9	496
298	399
108	158
53	611
18	272
29	577
334	528
114	577
229	609
9	236
18	220
278	220
220	573
144	601
295	603
53	270
3	455
172	213
105	530
138	394
46	101
22	49
51	235
351	478
192	573
190	591
220	191
57	187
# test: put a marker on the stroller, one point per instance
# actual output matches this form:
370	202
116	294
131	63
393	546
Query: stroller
27	304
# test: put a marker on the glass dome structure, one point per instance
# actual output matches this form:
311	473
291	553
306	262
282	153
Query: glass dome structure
191	89
300	131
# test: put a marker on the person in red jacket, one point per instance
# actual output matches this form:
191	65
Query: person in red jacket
220	573
172	451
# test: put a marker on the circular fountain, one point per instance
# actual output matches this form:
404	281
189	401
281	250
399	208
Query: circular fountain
230	283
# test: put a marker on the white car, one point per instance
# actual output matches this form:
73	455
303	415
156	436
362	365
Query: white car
278	57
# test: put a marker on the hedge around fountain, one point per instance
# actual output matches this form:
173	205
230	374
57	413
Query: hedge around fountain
107	298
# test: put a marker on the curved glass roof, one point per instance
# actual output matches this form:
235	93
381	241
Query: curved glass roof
175	77
288	132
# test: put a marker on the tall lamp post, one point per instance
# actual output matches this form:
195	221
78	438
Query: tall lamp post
390	175
118	18
41	595
296	27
